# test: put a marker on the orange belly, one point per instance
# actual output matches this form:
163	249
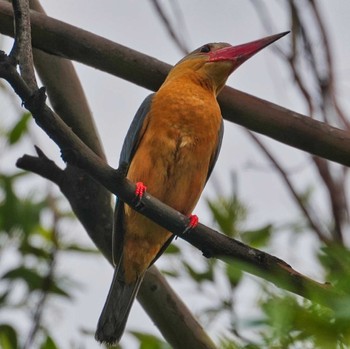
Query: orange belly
172	160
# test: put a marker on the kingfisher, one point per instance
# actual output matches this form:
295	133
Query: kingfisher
171	147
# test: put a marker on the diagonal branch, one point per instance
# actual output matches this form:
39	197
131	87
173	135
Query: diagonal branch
320	96
91	202
258	115
156	296
314	224
210	242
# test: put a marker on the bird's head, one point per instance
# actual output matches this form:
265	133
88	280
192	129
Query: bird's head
212	64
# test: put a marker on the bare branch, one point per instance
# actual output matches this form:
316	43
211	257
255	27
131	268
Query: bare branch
258	262
154	287
317	228
320	96
321	68
330	65
260	116
91	202
22	48
210	242
179	43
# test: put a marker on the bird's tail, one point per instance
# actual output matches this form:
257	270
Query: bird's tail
112	321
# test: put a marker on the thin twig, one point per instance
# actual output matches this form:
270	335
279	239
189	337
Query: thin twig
22	49
47	282
292	59
210	242
325	83
320	98
179	43
337	196
313	223
330	65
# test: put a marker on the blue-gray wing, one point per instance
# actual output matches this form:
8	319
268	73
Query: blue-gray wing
131	143
133	136
217	151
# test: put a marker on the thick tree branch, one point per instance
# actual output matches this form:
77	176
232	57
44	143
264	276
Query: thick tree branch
263	117
92	204
210	242
156	296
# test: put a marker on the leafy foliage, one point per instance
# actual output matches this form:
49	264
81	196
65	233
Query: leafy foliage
19	129
36	246
281	320
8	337
148	341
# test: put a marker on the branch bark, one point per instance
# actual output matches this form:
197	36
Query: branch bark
91	202
21	51
258	115
210	242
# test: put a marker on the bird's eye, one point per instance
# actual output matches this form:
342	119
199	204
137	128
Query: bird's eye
205	49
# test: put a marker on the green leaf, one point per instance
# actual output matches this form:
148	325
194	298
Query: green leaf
19	129
59	291
3	298
17	213
259	237
336	260
8	337
48	343
228	213
171	273
34	281
306	196
226	343
207	275
27	249
78	248
172	249
29	276
234	274
148	341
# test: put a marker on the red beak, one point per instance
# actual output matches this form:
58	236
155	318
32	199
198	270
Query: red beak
241	53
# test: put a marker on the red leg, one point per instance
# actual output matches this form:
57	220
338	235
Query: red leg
192	223
139	191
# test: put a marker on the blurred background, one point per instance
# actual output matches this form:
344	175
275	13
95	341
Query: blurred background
269	195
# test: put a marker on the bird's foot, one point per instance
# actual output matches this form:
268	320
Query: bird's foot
192	223
139	192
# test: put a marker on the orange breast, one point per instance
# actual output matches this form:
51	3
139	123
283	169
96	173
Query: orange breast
172	160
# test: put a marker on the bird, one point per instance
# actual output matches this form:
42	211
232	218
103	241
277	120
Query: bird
170	150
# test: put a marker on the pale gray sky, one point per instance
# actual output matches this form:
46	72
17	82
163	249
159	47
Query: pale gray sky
114	102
